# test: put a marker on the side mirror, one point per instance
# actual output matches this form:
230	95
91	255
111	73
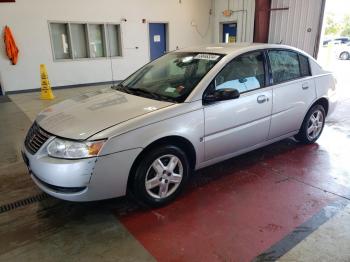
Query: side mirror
222	95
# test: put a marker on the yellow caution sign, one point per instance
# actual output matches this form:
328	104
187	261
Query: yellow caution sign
46	91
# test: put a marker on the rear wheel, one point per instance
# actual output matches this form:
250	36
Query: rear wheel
344	56
161	175
312	126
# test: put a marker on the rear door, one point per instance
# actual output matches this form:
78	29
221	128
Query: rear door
293	91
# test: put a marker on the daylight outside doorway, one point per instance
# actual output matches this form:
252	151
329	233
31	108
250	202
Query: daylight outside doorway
334	51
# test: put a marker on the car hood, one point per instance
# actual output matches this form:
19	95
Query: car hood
85	115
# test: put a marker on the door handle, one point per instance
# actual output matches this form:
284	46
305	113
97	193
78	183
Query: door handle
305	86
262	99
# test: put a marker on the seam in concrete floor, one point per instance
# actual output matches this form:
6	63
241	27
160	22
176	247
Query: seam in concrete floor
307	184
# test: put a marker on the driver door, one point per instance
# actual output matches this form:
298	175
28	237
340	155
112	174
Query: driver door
237	124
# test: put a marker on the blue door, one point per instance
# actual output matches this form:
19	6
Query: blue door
229	33
157	39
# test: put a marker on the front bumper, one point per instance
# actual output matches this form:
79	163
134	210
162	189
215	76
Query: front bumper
83	179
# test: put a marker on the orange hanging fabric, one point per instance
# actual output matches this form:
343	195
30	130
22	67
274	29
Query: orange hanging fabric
11	48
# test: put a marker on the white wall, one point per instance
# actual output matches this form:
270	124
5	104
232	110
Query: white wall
244	19
28	20
297	26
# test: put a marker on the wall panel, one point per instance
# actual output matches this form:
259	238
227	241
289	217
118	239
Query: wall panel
243	14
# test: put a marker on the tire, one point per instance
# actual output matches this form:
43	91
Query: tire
344	56
161	175
312	126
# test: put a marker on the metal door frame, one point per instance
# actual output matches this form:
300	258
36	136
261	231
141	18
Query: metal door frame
319	30
221	29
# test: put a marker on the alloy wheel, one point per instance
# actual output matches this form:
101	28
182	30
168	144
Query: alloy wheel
315	124
164	176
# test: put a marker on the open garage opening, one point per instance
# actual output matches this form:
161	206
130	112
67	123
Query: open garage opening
334	49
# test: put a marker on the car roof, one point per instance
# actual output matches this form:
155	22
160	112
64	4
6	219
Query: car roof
226	49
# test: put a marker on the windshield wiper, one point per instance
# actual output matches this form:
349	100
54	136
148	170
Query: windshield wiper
152	95
142	92
122	88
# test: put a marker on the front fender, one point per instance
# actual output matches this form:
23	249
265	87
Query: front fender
189	126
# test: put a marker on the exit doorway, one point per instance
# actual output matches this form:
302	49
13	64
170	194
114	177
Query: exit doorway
158	39
229	32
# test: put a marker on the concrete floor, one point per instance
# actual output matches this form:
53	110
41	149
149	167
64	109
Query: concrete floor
285	201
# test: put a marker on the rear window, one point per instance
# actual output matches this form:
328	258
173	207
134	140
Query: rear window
304	66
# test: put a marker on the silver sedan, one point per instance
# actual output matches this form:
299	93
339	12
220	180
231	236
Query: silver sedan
182	112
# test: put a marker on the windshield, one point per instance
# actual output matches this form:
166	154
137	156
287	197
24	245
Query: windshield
172	77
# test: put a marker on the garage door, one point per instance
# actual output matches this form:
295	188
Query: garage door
296	23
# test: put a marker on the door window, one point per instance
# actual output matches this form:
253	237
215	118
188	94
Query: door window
244	73
284	65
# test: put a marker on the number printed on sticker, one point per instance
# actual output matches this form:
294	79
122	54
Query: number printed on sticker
207	57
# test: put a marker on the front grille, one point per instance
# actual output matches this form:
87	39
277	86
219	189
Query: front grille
35	138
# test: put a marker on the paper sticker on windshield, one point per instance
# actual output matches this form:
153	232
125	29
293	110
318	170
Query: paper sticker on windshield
207	57
170	90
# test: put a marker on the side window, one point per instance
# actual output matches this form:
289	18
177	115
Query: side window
244	73
304	66
284	65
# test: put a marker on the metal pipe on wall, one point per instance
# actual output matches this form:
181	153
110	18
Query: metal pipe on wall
262	20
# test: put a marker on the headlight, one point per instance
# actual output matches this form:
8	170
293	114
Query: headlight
72	150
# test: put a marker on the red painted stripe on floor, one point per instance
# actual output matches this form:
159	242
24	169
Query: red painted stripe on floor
248	207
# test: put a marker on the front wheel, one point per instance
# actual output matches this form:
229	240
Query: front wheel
161	175
312	126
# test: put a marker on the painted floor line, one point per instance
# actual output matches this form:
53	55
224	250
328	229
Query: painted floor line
301	232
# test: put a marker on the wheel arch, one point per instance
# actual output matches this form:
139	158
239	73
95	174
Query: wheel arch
179	141
300	136
323	102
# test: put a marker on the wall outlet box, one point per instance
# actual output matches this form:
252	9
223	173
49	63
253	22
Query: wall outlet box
227	13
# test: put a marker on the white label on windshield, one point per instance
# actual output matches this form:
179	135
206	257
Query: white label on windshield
207	57
170	90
